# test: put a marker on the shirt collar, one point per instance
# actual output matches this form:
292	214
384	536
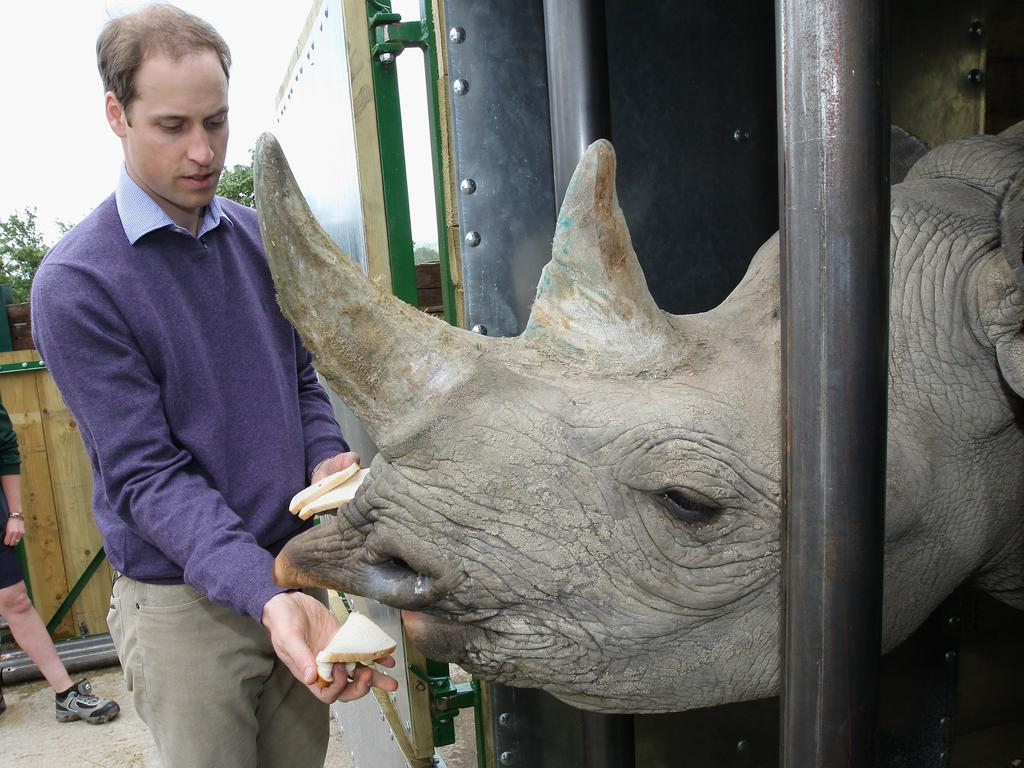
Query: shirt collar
141	215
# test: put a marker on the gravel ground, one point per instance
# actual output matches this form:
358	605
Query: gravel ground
30	736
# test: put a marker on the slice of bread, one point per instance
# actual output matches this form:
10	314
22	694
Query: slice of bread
358	640
320	487
335	497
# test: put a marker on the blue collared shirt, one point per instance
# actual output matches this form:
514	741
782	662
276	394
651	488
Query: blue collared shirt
141	215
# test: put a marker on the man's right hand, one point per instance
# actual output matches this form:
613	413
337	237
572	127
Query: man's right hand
299	627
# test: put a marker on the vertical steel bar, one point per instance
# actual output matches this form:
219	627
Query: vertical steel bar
578	99
834	213
577	55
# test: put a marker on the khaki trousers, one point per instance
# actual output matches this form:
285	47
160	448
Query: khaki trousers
208	684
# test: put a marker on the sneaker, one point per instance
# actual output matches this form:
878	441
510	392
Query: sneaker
79	703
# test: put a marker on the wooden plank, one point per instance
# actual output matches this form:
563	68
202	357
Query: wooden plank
368	163
71	484
42	533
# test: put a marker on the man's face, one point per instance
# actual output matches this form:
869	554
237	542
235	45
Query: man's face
175	132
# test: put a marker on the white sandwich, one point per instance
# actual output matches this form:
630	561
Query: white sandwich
335	497
358	640
320	487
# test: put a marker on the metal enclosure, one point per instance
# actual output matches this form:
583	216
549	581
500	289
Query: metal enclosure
692	95
692	100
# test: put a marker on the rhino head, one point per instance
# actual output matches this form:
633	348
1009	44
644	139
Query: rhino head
594	507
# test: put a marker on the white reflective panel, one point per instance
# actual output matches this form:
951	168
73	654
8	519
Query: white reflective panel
315	128
416	136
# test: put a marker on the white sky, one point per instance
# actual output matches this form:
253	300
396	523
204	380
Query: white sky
59	155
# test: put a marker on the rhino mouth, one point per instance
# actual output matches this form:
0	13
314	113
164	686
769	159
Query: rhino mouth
317	558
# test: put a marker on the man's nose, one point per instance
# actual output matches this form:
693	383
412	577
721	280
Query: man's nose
199	149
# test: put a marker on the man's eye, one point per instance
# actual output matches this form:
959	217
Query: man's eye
171	128
219	123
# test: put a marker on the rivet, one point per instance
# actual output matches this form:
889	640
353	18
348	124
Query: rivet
976	29
386	58
944	722
472	239
482	330
505	718
950	657
467	186
506	758
456	34
975	76
460	86
743	745
741	135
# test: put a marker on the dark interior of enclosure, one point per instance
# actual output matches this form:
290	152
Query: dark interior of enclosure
693	117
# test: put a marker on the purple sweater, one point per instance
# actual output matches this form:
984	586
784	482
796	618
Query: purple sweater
197	402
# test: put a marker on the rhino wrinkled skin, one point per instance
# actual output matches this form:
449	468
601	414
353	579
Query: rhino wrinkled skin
593	508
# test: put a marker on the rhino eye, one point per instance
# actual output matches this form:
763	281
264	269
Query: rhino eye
685	508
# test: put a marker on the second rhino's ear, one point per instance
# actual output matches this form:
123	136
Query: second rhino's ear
1002	295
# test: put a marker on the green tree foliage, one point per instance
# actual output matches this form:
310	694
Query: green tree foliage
424	255
21	249
236	184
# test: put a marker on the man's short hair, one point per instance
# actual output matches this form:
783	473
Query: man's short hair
126	41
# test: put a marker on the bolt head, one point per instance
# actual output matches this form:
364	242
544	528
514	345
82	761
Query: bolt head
482	330
472	239
506	758
460	86
975	76
456	35
505	718
467	186
386	58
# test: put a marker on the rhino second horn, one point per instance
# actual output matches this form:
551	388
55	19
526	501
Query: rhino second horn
593	297
387	360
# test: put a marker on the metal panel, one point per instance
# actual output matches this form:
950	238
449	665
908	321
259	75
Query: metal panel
577	59
364	728
499	107
693	123
834	247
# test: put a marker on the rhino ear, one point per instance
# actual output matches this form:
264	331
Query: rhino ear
1010	345
592	295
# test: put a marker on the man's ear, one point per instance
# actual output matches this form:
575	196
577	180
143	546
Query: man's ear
117	116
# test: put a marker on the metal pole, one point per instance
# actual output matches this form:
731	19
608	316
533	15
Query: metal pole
577	54
834	206
578	102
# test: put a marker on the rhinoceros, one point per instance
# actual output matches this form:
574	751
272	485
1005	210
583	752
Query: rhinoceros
593	507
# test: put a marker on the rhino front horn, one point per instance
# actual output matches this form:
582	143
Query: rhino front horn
387	360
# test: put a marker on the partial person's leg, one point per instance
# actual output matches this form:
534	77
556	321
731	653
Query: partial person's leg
31	636
294	724
196	671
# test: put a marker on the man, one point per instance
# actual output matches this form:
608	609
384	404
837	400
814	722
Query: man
201	414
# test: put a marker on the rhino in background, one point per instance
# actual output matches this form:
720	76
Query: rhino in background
593	508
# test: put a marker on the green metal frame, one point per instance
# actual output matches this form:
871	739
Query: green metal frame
389	36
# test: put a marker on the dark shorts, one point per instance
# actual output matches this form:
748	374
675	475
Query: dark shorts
10	567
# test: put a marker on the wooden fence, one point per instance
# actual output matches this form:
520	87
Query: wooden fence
61	539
